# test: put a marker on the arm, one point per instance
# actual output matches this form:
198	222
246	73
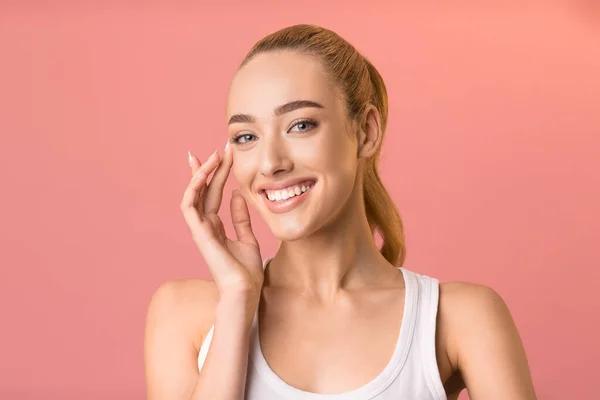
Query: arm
173	313
171	359
487	347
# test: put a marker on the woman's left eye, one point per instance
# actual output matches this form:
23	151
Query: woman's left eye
302	126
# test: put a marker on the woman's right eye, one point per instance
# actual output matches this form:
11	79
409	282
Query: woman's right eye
243	138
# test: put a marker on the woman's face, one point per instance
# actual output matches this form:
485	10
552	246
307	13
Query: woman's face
295	152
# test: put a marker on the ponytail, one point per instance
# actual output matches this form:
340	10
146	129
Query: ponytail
382	213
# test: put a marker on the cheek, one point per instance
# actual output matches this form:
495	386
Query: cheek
244	171
339	156
242	168
330	150
343	165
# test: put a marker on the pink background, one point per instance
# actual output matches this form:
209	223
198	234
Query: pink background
491	155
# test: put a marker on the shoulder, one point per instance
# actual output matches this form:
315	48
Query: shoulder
469	310
188	304
483	342
463	301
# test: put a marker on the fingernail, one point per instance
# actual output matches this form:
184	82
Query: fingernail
190	159
227	146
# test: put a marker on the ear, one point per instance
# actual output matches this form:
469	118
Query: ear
369	132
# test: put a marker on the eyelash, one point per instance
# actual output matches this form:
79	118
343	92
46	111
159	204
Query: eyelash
312	123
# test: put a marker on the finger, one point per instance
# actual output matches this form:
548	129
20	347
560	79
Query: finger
241	219
214	193
214	252
193	194
194	163
195	191
196	166
203	172
211	163
207	230
218	228
210	238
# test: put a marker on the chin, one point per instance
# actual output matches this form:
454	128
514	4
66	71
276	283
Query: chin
289	229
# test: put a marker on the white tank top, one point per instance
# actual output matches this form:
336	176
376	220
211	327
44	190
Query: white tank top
411	373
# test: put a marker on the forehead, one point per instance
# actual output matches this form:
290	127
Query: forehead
272	79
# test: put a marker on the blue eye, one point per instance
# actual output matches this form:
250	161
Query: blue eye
246	136
299	126
303	125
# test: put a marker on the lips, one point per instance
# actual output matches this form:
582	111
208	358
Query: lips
281	203
280	185
288	193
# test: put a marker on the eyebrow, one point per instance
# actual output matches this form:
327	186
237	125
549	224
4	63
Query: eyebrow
282	109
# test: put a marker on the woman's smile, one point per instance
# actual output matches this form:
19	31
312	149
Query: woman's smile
282	200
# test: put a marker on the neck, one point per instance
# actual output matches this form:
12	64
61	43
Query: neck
340	256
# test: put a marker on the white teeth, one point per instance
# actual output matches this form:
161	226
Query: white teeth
282	195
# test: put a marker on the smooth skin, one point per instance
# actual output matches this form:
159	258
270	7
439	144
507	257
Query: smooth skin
328	291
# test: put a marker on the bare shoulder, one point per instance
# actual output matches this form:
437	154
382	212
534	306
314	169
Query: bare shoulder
460	300
463	306
188	304
483	342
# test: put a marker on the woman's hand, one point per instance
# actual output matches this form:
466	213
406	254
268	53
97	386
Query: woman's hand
236	265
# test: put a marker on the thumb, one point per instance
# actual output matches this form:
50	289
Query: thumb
241	219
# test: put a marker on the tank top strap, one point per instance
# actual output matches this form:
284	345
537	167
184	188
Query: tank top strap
426	332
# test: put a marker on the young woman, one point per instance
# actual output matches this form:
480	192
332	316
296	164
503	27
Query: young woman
331	316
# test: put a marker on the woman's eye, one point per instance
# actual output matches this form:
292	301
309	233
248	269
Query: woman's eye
244	138
302	126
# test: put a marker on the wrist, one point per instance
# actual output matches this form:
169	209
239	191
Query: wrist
237	307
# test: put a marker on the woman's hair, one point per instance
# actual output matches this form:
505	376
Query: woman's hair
361	85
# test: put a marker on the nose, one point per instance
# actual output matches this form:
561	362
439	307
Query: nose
275	157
